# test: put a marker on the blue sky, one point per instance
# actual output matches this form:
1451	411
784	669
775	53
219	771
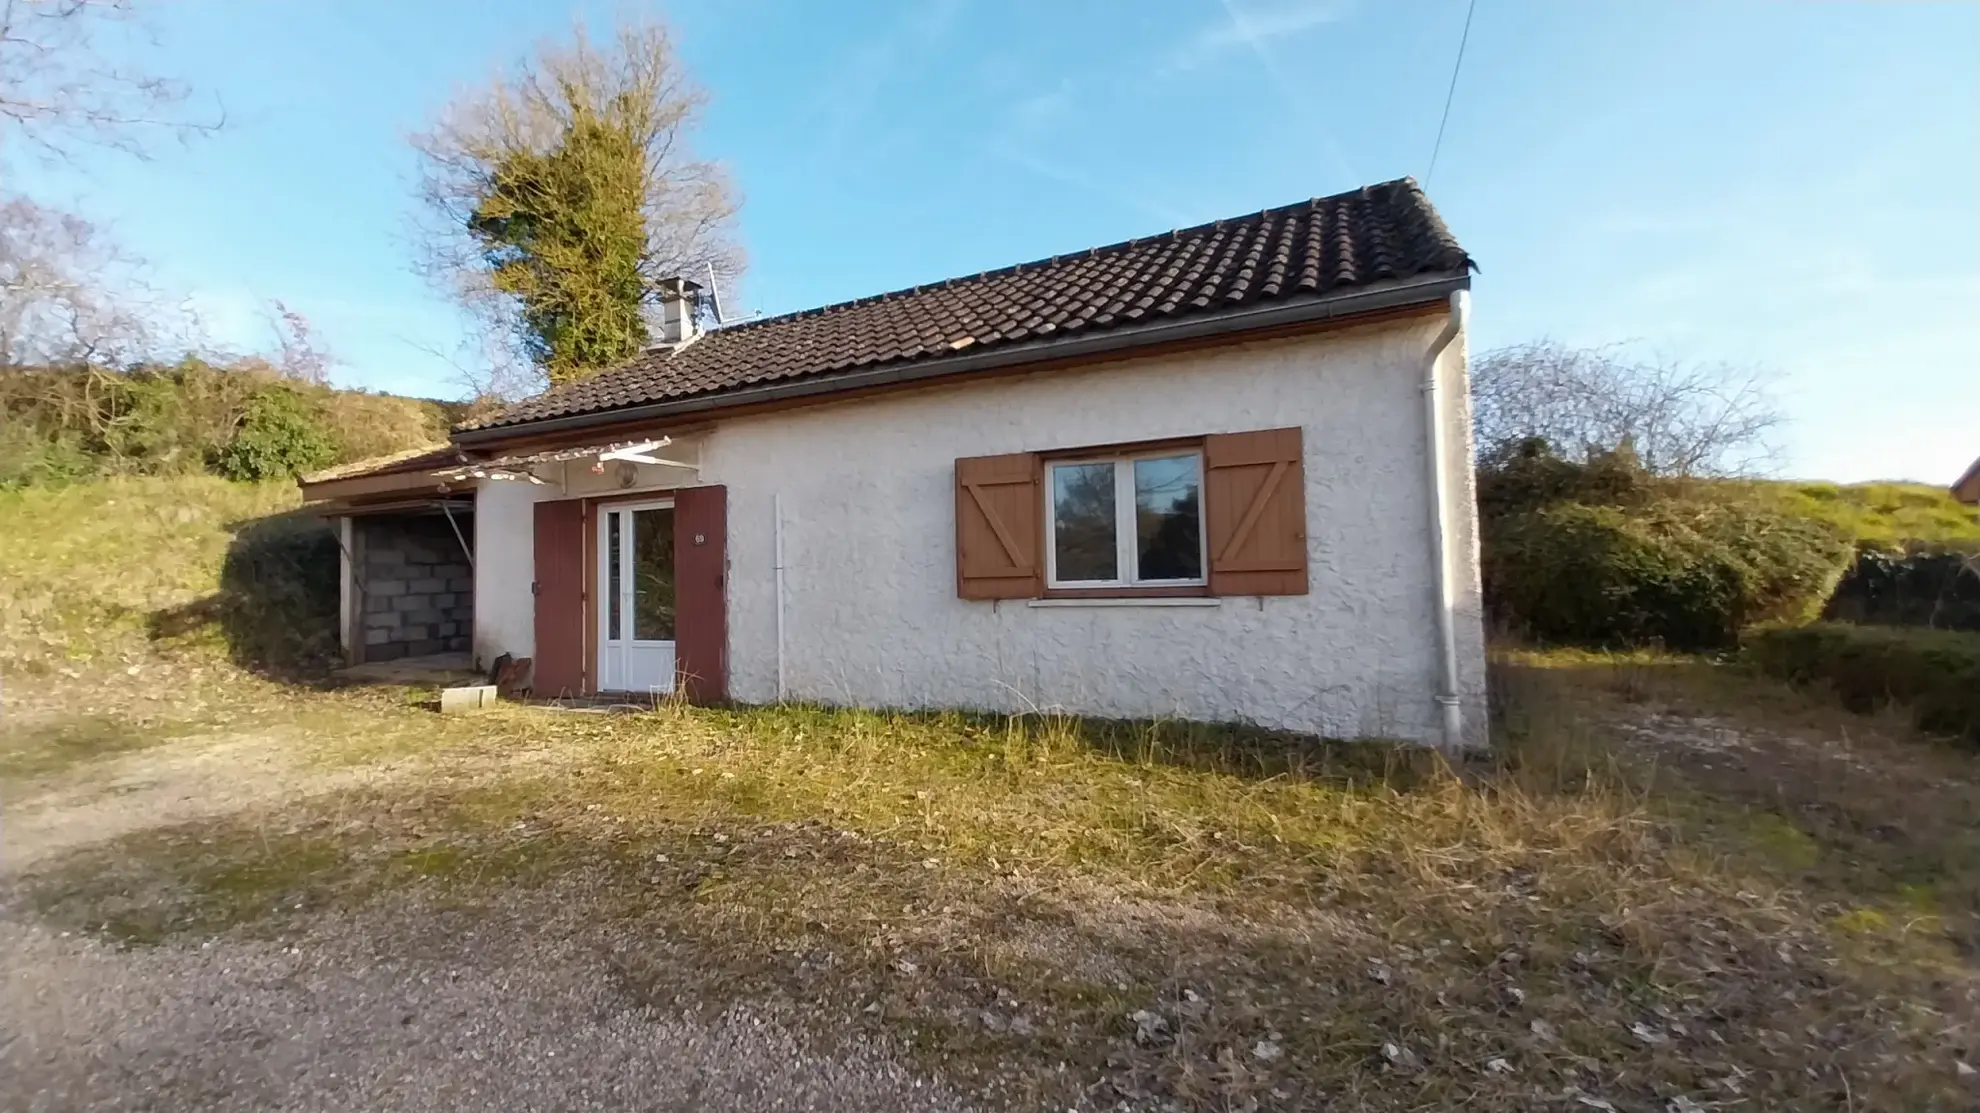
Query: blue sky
1791	185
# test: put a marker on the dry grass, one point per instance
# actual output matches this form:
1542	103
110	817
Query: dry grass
84	568
1888	514
1206	916
1677	882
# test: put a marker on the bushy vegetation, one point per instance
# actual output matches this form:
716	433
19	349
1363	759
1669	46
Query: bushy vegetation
278	438
1603	553
1921	586
244	421
1932	674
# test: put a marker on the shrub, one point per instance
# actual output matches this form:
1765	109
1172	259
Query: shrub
1528	474
1689	574
1923	586
1934	673
59	424
30	458
280	437
1600	552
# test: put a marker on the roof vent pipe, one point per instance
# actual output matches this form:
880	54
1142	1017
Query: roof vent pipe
673	320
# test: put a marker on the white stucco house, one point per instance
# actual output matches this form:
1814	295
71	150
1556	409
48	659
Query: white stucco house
1221	473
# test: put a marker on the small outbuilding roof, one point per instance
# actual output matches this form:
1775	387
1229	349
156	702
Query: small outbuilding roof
1314	250
423	458
1967	487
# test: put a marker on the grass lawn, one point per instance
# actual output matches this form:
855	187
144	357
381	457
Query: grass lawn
1678	882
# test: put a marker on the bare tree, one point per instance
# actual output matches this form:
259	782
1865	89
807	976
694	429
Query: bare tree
68	295
60	89
1682	419
299	351
633	83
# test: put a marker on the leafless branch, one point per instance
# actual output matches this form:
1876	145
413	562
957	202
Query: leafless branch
1682	419
488	369
299	352
69	295
63	87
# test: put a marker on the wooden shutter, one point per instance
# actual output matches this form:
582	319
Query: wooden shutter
1000	523
701	627
1255	509
559	589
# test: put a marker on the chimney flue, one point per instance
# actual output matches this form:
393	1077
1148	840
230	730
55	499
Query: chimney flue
674	318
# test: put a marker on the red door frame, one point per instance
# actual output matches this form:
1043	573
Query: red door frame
701	592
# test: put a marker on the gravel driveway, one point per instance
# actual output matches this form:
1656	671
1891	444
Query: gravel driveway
388	1012
394	1006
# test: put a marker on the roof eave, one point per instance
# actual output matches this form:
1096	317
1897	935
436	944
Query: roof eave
1418	291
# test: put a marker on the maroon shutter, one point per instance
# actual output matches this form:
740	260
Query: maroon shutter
701	611
559	592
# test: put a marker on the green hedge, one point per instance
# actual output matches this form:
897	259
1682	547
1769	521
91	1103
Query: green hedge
1688	574
1933	673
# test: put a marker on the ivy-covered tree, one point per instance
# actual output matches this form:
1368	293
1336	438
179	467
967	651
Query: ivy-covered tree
562	234
558	196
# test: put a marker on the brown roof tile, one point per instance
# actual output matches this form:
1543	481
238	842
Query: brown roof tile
1315	248
422	458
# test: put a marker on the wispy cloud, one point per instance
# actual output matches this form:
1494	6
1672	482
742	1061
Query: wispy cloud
1028	132
1256	28
1056	171
850	93
1252	26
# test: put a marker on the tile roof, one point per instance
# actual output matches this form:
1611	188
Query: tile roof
1315	248
421	458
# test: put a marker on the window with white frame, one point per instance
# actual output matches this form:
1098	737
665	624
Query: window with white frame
1125	521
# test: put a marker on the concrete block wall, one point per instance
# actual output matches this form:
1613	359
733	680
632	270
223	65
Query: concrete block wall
417	586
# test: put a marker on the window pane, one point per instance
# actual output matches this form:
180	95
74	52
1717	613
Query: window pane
653	575
1168	519
614	624
1083	522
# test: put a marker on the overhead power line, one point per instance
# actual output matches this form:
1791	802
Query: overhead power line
1450	93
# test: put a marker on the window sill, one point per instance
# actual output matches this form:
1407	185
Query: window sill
1130	601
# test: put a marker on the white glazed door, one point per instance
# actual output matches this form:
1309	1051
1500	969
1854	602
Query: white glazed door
636	611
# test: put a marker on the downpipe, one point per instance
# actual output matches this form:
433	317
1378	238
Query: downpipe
777	543
1451	712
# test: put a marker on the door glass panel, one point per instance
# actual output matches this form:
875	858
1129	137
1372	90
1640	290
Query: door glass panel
1083	522
653	574
614	625
1167	518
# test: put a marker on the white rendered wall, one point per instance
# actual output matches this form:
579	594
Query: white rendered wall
505	568
505	538
871	614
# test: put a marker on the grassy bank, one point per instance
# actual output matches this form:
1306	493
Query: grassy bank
127	571
1887	514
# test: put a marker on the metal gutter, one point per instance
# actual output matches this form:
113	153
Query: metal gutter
1332	307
